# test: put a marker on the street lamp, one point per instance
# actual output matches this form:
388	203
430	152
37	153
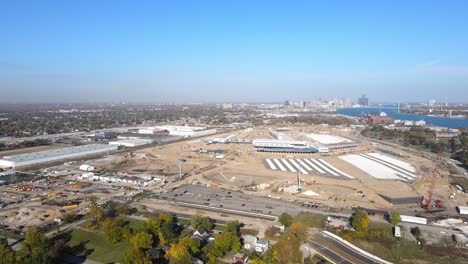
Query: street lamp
181	160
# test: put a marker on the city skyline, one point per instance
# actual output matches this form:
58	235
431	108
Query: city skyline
233	52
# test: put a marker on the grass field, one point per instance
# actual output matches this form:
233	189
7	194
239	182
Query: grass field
94	246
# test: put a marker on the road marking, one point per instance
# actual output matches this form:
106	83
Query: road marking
228	210
291	169
309	161
298	167
278	163
335	169
325	168
270	164
304	165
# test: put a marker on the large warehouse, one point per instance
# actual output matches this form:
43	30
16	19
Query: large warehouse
328	143
39	157
282	146
132	142
183	131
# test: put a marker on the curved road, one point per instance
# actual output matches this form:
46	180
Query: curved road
328	253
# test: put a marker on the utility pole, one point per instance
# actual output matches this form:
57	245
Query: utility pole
299	180
181	160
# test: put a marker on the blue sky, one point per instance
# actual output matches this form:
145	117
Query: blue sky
155	51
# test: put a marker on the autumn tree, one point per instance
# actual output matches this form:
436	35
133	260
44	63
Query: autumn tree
360	221
183	251
285	251
162	227
141	240
298	230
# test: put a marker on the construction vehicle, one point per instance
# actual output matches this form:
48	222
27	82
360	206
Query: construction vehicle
428	203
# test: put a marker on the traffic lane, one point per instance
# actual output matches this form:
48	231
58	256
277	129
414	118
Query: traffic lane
347	250
227	211
272	207
335	257
238	200
231	200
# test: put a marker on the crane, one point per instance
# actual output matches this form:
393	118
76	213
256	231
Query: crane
427	203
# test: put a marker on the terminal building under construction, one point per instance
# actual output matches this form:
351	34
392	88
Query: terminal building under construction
282	146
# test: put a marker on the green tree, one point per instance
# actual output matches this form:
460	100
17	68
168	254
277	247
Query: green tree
198	221
137	256
36	247
69	217
224	243
285	219
167	232
233	227
95	215
141	240
7	254
122	209
395	217
360	221
417	233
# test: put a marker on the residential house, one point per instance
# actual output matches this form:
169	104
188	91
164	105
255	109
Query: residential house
239	258
249	242
261	245
200	234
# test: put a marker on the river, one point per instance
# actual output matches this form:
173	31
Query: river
393	112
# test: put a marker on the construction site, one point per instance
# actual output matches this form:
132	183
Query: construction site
331	167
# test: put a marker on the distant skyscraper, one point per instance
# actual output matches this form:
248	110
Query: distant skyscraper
432	102
363	100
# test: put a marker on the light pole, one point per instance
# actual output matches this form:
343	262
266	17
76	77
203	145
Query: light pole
181	160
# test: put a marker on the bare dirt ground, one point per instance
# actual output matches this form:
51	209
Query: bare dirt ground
242	166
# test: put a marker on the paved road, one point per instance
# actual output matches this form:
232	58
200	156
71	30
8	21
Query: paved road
17	244
344	248
236	200
328	253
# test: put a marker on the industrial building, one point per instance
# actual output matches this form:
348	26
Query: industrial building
331	144
86	167
462	210
53	155
282	146
120	179
379	120
131	142
183	131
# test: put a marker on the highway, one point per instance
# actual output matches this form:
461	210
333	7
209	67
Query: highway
236	202
328	253
343	248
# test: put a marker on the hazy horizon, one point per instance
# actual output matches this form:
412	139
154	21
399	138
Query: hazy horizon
244	51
